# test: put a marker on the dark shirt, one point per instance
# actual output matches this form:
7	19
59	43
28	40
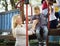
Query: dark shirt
42	20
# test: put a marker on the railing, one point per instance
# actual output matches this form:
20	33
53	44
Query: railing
5	19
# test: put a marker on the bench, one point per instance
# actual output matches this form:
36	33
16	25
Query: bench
53	32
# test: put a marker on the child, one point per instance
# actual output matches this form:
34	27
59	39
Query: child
19	31
41	23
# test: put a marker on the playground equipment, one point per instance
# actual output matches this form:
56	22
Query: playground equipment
51	31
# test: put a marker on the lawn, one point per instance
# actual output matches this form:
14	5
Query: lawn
32	43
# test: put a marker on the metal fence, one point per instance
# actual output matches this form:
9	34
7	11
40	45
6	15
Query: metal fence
5	19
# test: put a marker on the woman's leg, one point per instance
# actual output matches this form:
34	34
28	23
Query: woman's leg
53	23
57	15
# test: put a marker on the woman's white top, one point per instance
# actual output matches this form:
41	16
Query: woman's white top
52	15
20	32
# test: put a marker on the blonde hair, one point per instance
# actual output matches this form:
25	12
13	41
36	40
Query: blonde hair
14	24
36	8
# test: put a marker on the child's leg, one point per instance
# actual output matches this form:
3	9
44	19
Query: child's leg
38	34
45	33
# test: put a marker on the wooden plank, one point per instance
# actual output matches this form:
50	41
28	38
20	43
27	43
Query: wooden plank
54	32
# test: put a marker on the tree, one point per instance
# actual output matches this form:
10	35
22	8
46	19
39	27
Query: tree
5	5
12	4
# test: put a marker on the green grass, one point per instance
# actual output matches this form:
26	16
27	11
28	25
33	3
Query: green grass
35	43
32	43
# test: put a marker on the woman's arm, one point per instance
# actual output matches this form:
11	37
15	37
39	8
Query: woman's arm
22	30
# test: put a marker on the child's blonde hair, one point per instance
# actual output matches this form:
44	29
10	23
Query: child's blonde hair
36	8
14	24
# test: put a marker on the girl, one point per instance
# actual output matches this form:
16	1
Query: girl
53	19
19	31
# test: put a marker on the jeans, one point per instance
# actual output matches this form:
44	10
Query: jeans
45	33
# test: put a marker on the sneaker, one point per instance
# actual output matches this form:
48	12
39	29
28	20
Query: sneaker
44	42
44	45
39	43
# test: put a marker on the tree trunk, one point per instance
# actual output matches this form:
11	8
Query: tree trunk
6	6
12	4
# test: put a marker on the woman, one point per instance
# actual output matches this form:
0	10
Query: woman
19	31
53	19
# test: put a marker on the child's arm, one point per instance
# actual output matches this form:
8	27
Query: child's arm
34	24
32	30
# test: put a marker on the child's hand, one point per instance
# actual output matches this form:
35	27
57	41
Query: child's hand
33	31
